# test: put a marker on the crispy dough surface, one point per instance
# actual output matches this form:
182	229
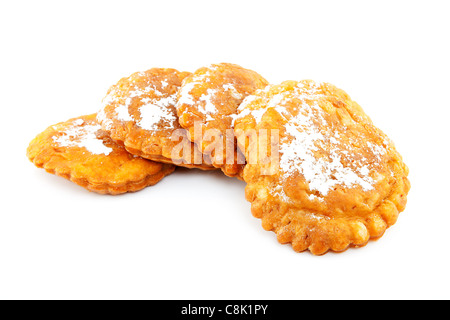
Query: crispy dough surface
139	111
337	180
80	151
207	103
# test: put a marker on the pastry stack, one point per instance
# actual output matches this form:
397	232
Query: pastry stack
318	172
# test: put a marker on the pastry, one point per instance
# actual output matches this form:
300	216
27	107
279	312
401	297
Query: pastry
139	112
80	151
206	107
327	178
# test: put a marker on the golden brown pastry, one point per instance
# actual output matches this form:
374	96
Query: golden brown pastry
139	112
207	104
327	178
80	151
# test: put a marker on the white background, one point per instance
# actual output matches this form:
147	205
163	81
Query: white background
192	236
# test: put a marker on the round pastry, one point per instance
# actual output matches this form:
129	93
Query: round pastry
139	112
80	151
206	107
329	179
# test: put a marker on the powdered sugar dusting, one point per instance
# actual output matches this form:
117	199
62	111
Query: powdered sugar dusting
155	107
185	97
232	89
307	136
208	106
83	135
157	111
122	111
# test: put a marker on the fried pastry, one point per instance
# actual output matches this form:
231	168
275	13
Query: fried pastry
80	151
207	103
139	112
327	178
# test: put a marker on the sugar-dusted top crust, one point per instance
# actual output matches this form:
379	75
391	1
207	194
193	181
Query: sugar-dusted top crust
334	172
139	111
79	150
207	104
